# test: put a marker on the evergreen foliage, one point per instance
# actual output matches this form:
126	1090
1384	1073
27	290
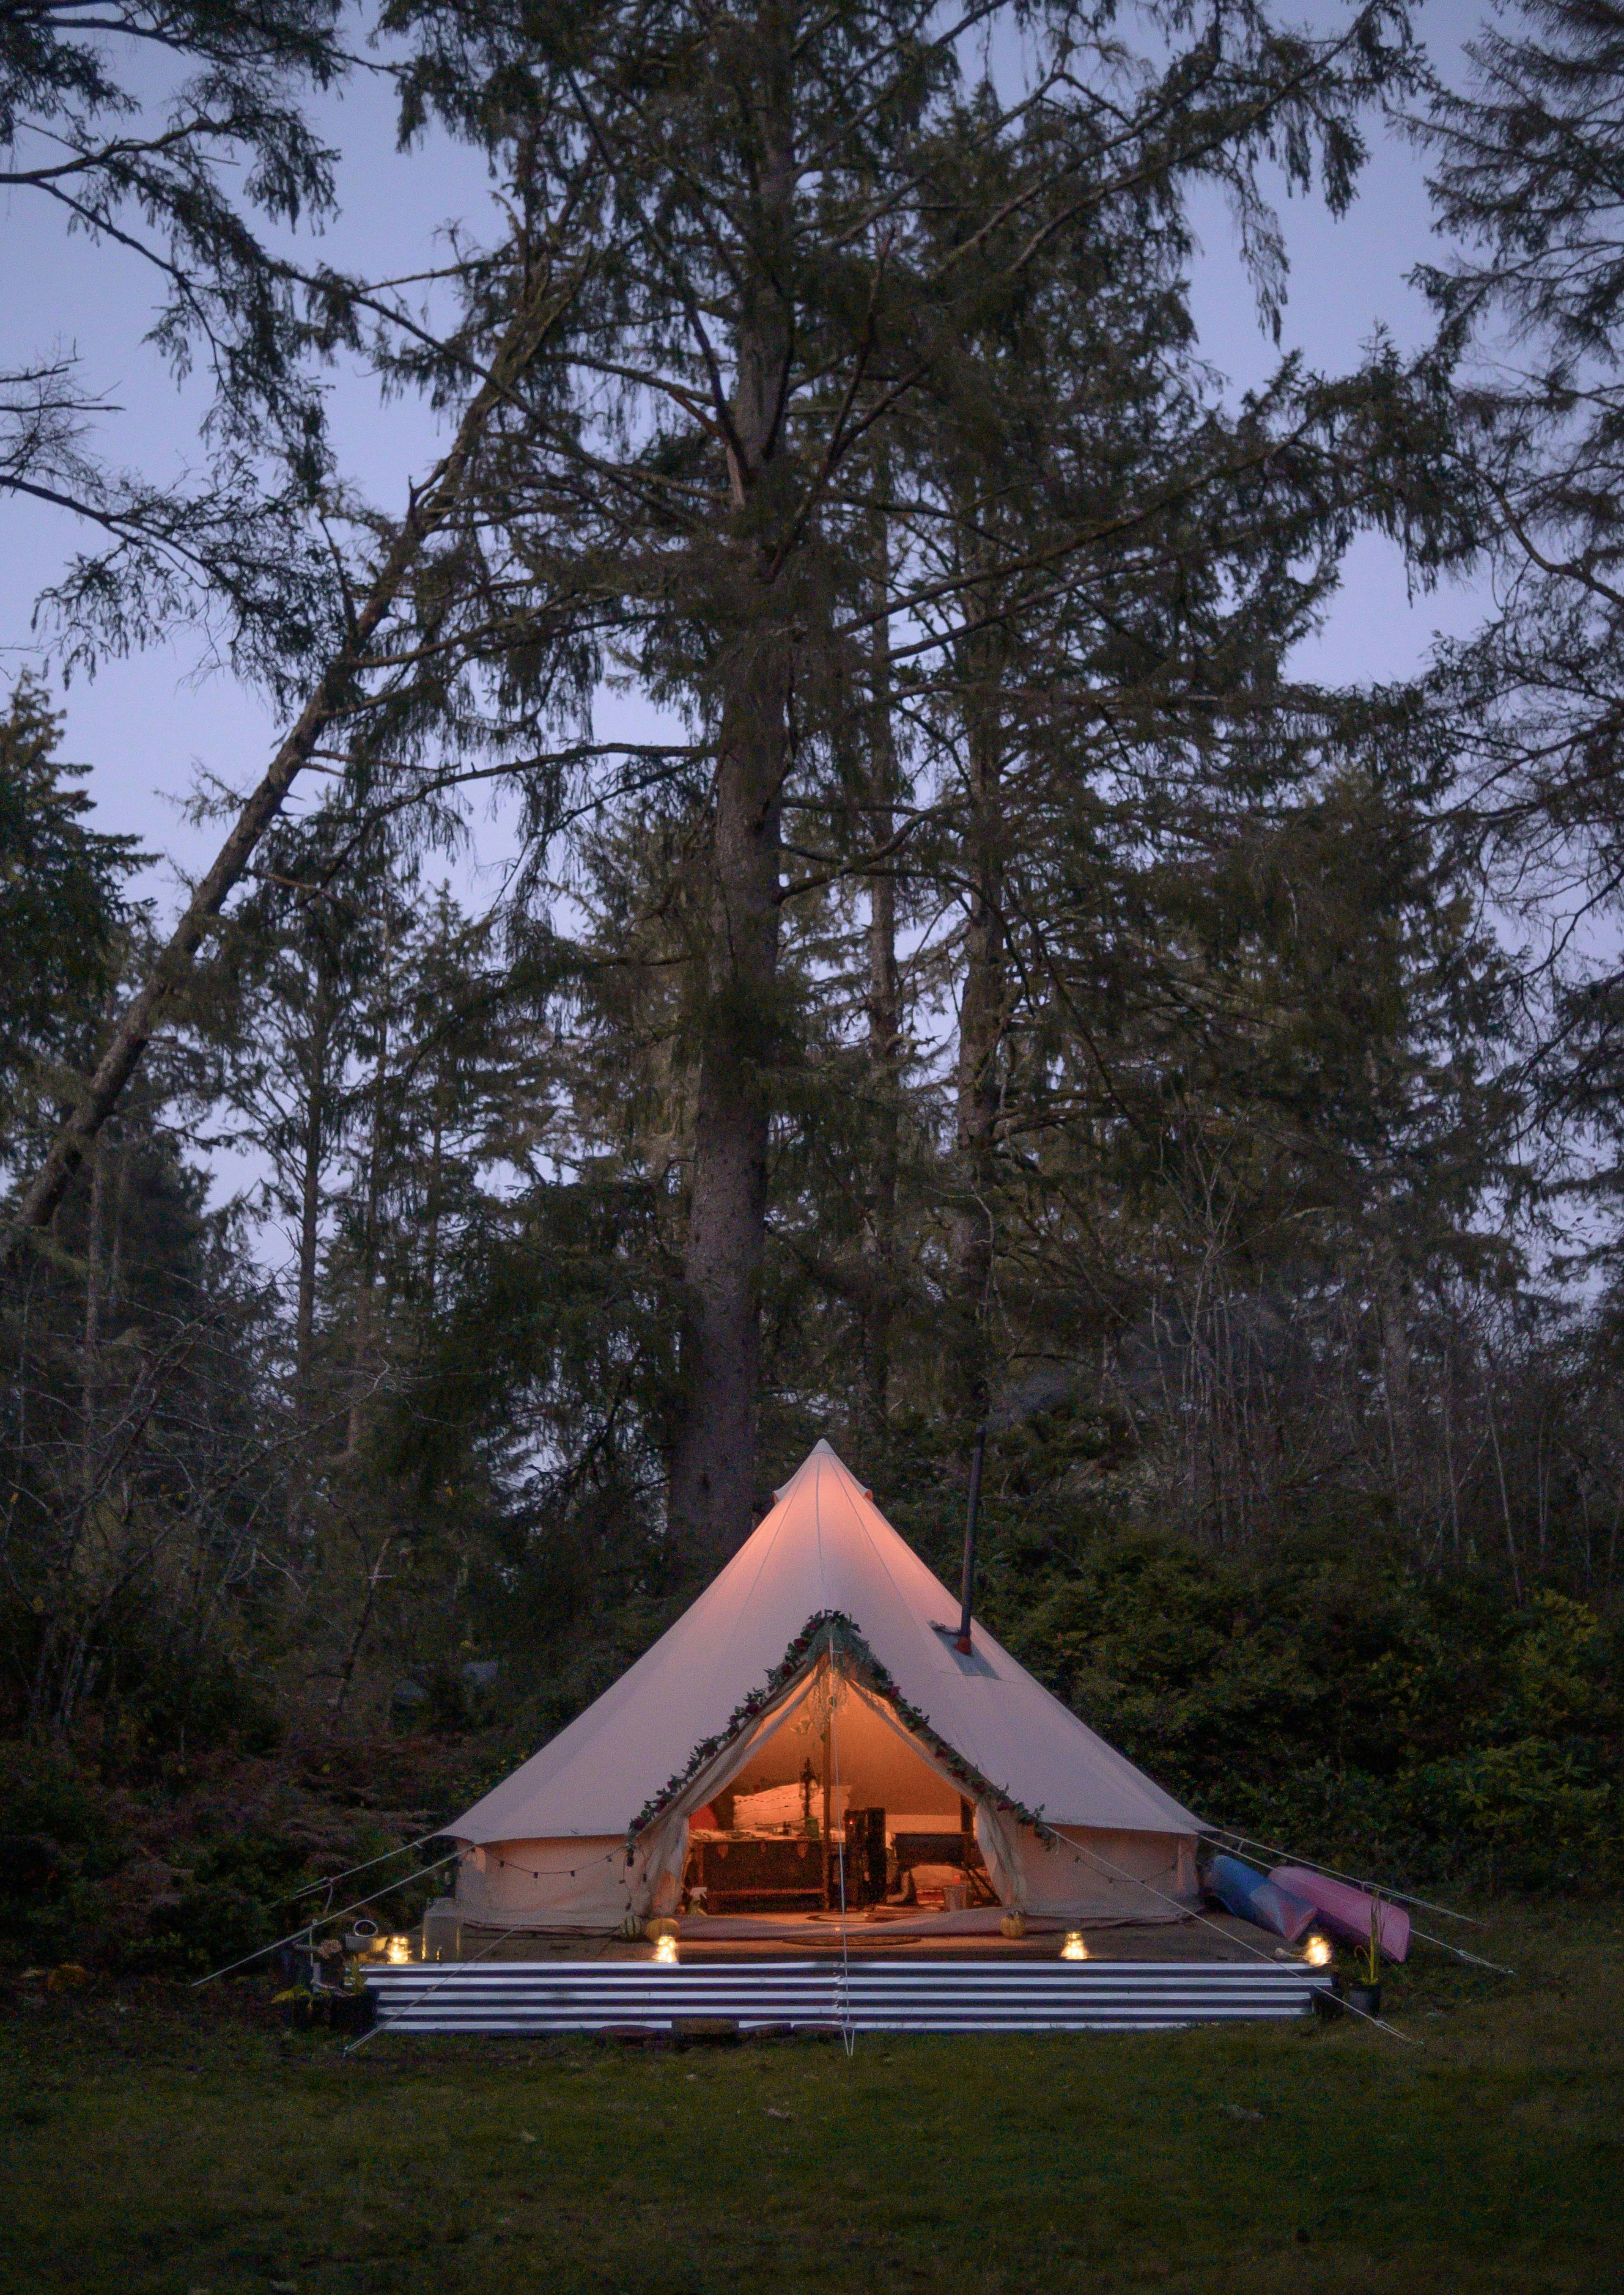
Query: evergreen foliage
1000	989
61	906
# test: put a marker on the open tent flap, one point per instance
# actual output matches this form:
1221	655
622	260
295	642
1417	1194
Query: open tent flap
795	1714
552	1886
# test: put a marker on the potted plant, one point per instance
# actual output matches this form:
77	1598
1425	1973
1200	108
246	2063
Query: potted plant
1366	1996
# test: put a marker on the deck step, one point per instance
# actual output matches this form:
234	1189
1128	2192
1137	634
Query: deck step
920	1995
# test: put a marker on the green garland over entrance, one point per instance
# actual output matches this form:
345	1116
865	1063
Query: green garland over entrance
834	1631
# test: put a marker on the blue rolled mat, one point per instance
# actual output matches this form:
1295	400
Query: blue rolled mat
1254	1896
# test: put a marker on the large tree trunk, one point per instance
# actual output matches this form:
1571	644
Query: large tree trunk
310	1203
884	1044
431	1206
1391	1290
713	1480
981	1029
104	1278
362	1364
95	1304
884	1017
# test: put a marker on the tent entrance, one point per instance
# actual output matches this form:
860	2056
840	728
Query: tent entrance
833	1801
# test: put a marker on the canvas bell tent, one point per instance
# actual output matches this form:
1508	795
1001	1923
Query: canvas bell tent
809	1735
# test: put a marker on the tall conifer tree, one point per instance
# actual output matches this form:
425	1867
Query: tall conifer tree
796	226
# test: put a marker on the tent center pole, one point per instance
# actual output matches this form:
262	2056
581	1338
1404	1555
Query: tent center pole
828	1773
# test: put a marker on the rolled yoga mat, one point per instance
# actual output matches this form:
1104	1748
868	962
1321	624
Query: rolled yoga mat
1252	1895
1346	1910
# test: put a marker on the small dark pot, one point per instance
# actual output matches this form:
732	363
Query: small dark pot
1364	1999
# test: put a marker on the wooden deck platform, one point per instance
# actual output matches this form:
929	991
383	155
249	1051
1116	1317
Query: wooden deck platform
954	1989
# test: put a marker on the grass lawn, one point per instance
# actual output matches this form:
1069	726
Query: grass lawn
157	2146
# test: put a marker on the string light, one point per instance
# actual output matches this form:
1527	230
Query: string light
550	1871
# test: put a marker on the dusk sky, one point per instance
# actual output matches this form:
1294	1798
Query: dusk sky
148	727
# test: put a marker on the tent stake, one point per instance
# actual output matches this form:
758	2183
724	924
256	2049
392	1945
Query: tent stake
968	1592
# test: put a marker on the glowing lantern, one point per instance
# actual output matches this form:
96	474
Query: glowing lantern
396	1950
1074	1948
666	1952
1318	1952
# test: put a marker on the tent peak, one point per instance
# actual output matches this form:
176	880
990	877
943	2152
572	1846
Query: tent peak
822	1448
825	1549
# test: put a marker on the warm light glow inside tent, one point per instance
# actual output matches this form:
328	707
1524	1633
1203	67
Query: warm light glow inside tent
807	1736
836	1805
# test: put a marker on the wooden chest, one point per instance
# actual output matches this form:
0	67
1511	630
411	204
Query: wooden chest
758	1875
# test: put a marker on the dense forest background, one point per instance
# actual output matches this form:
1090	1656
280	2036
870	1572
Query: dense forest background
993	987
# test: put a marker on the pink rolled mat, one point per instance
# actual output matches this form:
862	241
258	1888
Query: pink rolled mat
1345	1910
